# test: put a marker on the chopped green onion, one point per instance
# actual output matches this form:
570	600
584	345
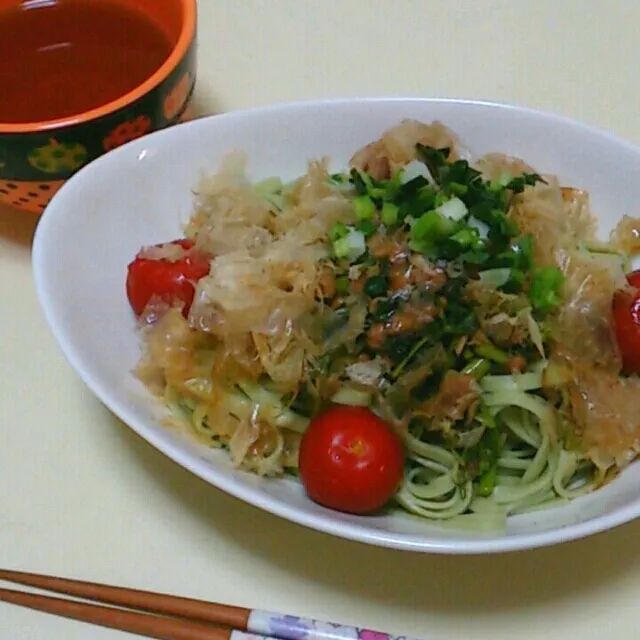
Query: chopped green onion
495	277
519	183
430	226
546	287
486	417
491	212
424	247
478	368
465	238
339	230
416	201
364	207
351	246
515	282
491	352
499	184
458	189
518	255
441	198
487	482
468	354
414	170
365	185
523	248
453	209
435	159
368	227
389	214
481	227
410	220
484	456
505	178
360	181
478	255
459	174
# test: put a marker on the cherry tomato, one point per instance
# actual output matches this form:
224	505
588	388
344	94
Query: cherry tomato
626	315
350	460
172	281
633	279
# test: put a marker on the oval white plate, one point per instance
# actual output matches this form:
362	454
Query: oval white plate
141	193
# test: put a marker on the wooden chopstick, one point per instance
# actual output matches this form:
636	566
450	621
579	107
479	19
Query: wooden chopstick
189	613
159	603
158	615
143	624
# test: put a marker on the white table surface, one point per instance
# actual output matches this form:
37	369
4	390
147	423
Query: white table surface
81	495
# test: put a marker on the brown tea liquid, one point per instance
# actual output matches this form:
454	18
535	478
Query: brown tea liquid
59	58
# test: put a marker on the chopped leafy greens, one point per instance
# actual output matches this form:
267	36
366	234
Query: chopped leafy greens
545	289
421	244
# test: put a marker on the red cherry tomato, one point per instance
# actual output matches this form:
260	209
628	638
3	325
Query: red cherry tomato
626	315
171	281
350	460
633	279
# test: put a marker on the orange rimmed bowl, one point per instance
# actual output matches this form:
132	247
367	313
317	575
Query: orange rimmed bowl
37	158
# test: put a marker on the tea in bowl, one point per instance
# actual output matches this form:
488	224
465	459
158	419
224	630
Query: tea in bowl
91	76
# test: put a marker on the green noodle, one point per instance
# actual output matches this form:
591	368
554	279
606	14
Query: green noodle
535	471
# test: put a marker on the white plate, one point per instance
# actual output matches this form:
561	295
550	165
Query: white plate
141	193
